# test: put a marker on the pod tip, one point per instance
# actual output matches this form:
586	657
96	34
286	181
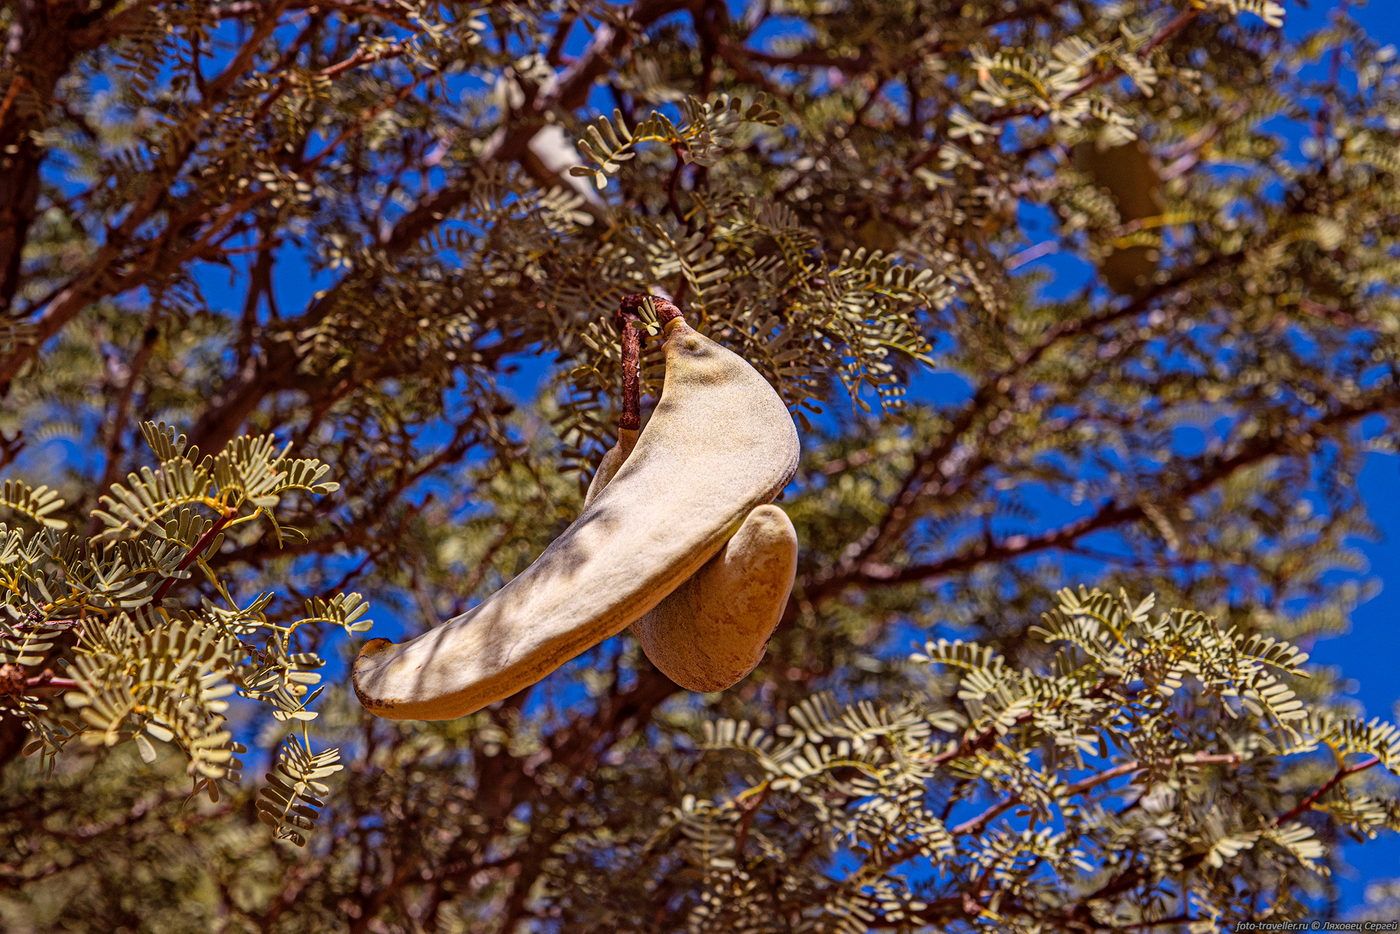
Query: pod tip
362	666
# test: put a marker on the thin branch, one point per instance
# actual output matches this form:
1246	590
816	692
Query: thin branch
365	116
363	57
511	143
1090	82
1211	471
673	184
749	809
193	554
1307	803
115	426
950	455
979	823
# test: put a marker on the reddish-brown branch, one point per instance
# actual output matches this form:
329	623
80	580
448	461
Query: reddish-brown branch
39	50
1210	472
141	261
673	184
121	410
1307	803
259	378
1183	19
14	681
936	467
979	823
943	458
510	143
47	679
1090	82
364	117
149	258
193	554
364	58
750	808
631	374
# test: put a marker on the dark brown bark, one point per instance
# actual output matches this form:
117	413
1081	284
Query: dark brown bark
12	739
39	49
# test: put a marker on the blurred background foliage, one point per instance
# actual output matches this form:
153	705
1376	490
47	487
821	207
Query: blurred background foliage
1060	292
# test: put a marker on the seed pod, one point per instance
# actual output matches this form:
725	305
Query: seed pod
719	443
1128	260
714	628
611	463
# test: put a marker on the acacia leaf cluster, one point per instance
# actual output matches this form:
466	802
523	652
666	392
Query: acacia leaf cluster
1061	293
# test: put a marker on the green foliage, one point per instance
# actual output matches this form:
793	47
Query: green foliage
93	651
1125	732
1060	292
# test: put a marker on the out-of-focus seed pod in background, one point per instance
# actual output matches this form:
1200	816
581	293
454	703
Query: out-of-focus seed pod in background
1127	256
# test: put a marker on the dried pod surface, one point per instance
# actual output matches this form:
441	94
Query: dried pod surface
714	628
611	463
719	443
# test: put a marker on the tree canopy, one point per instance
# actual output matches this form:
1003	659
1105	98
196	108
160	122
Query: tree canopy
1088	315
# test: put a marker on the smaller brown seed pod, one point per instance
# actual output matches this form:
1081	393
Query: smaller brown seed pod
714	628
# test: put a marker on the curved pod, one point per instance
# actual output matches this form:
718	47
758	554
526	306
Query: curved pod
719	443
610	464
1127	172
714	628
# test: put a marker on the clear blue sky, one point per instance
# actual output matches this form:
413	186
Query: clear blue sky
1368	654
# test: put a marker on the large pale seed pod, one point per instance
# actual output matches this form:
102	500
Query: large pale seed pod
719	443
714	628
610	464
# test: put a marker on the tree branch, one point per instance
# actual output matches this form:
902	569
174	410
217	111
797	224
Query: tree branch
193	554
511	143
979	823
1307	803
1210	471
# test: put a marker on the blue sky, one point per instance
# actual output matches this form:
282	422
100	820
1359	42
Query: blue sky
1367	654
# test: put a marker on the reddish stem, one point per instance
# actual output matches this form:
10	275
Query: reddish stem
13	680
1307	803
631	374
629	312
47	679
204	542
